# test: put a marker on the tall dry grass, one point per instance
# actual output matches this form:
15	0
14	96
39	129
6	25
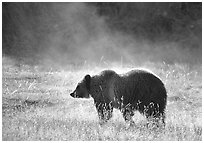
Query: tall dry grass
36	105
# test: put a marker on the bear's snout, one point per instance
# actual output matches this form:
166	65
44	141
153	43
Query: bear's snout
73	94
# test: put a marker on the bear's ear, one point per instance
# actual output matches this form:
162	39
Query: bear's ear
88	81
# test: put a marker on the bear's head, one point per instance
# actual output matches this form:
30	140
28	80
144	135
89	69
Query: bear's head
83	88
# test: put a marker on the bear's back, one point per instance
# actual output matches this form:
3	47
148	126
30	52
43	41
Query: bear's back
139	85
105	76
141	77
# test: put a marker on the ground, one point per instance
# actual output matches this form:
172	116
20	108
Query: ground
36	105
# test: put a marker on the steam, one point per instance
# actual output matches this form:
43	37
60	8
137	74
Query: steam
83	36
80	35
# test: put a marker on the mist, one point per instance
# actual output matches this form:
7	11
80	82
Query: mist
80	33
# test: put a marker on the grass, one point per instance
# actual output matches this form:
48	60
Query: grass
36	105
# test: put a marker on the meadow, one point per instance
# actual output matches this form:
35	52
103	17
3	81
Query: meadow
36	105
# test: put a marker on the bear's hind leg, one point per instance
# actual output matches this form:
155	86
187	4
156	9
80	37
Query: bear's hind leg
155	115
162	119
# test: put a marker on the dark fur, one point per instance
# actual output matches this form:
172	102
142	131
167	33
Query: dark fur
136	90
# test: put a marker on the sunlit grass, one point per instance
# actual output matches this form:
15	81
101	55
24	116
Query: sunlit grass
36	105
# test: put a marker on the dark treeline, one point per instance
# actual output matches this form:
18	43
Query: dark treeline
25	28
165	21
28	28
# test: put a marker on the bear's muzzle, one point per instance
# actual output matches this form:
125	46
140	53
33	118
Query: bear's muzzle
73	94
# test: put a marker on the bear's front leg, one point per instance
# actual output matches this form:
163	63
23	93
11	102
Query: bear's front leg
105	112
128	114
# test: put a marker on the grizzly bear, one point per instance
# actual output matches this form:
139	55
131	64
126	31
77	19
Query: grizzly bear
136	90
